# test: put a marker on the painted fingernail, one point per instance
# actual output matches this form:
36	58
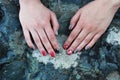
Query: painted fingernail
65	46
70	27
87	47
34	48
76	50
57	50
44	53
52	54
69	52
56	33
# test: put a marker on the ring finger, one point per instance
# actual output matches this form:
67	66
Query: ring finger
78	40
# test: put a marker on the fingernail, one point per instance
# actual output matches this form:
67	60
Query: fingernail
57	50
70	27
69	52
76	50
34	48
87	47
65	46
56	33
44	53
52	54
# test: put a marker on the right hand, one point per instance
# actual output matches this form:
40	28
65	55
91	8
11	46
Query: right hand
42	24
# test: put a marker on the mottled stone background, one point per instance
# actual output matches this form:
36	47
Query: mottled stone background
18	62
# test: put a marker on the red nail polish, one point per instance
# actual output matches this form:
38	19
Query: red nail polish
69	52
65	46
52	54
44	53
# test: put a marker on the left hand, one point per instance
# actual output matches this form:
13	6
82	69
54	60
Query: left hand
88	24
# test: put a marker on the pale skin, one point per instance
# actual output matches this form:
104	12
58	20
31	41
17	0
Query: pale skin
88	25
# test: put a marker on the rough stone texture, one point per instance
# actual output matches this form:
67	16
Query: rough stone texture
17	61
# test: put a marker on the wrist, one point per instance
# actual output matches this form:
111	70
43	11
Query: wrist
113	3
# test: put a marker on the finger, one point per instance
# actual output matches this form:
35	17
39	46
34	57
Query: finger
74	34
46	43
94	40
77	41
85	41
54	23
75	19
51	37
28	39
38	41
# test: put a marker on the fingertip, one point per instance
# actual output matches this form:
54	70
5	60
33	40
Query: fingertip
70	27
43	52
31	45
56	32
65	46
87	47
52	54
69	51
55	28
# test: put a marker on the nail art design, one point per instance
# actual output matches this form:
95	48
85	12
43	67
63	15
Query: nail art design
70	27
69	52
44	53
87	47
65	46
52	54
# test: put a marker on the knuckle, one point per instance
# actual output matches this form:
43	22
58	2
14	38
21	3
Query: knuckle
43	23
89	28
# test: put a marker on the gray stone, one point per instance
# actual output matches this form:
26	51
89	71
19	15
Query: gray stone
19	62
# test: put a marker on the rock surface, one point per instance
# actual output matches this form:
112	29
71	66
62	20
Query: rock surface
18	62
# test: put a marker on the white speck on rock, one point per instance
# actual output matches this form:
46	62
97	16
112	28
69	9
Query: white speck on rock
62	60
113	36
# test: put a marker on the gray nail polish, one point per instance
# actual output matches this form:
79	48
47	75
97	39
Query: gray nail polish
56	32
76	51
87	47
70	27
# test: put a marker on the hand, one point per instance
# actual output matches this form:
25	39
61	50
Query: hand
42	24
88	24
